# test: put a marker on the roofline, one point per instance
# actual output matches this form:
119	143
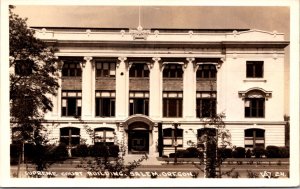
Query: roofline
153	29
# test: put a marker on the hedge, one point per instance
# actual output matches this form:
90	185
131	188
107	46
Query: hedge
239	152
190	152
277	152
258	152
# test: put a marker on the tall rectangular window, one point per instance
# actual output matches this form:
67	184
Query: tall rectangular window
206	71
139	103
254	107
139	70
254	69
172	104
105	69
71	103
71	69
206	104
172	71
105	103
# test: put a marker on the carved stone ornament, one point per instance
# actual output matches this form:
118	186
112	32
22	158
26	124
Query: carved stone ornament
139	33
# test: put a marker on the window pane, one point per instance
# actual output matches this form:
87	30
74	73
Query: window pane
260	133
71	106
64	140
112	108
250	70
172	108
75	131
106	107
75	141
167	132
64	131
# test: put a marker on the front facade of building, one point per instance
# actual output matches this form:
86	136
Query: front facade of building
136	85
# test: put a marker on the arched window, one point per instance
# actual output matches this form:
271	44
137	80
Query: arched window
70	136
254	102
254	138
169	137
104	136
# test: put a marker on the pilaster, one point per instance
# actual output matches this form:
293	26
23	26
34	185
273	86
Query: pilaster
189	90
87	87
155	89
122	91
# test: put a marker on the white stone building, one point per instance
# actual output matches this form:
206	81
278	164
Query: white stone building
136	84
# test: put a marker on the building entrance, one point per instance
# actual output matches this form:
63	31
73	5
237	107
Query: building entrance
138	138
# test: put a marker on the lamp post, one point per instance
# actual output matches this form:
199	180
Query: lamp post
175	124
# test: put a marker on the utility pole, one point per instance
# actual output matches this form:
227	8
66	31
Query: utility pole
176	124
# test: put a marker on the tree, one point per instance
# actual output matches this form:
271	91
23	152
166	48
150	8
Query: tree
33	80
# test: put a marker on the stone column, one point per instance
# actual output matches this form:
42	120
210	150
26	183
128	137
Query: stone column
189	90
121	89
155	88
86	103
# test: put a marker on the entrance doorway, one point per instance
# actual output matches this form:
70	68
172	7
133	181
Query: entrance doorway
138	138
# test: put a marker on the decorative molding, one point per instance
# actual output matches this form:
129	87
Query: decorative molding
150	65
190	60
191	33
156	32
275	55
88	32
156	59
255	92
274	33
44	30
235	56
235	33
196	66
122	32
121	59
87	59
139	33
255	80
129	64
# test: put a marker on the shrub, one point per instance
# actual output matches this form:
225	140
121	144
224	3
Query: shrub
225	153
193	152
248	153
258	152
284	152
182	154
80	151
272	152
60	152
171	155
239	152
14	153
114	151
99	151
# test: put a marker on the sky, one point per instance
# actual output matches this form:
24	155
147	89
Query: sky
196	17
268	18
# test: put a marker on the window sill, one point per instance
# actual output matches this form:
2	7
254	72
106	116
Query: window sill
255	80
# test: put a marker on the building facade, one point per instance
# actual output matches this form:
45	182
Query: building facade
134	85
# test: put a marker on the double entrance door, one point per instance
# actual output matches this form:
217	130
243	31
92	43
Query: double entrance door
138	141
